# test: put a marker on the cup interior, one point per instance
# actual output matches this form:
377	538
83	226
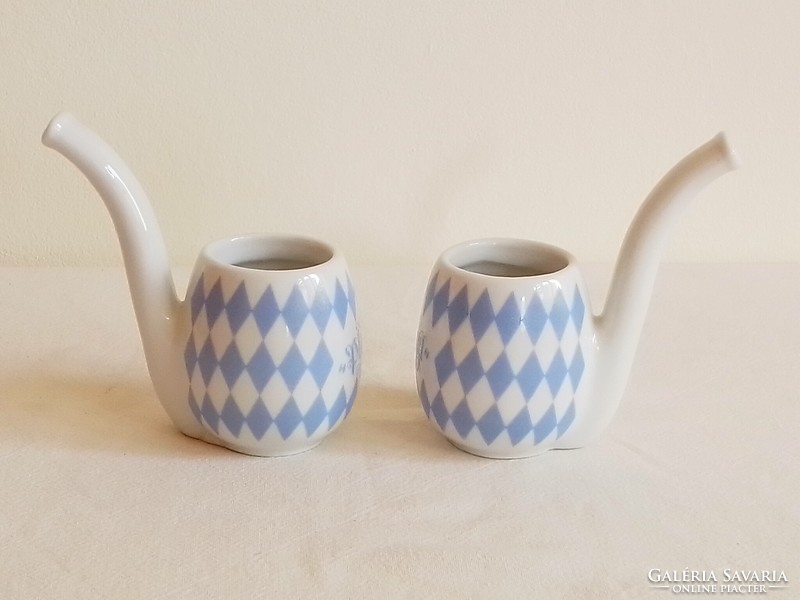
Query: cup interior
270	253
507	258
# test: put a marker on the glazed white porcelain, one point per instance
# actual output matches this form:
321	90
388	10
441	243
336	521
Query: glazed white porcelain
262	356
511	361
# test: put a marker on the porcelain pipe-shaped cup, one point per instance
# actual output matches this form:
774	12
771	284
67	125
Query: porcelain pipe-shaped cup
511	361
262	355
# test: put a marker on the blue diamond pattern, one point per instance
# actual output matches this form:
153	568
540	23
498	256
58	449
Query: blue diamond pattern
545	425
321	309
198	299
445	363
295	311
292	367
576	368
520	426
209	413
190	355
261	368
440	301
215	304
194	407
439	410
315	415
535	318
429	291
556	373
530	376
508	319
338	409
266	311
259	419
231	364
481	316
578	309
500	375
340	303
200	356
238	308
491	424
351	296
458	310
289	418
232	416
463	419
470	370
321	364
566	420
207	360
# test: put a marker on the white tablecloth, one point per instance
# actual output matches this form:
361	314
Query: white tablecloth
100	497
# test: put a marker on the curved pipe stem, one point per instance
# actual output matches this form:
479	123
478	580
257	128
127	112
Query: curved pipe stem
620	324
144	253
635	271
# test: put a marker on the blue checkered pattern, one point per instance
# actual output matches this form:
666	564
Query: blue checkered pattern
268	365
500	366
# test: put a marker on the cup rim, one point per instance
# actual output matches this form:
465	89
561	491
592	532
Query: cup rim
544	261
228	253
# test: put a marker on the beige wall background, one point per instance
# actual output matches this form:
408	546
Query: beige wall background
393	129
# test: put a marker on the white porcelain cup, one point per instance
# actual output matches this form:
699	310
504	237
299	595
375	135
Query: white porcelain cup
272	354
504	347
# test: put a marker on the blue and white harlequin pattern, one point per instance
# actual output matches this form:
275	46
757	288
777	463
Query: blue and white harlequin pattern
497	369
266	366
